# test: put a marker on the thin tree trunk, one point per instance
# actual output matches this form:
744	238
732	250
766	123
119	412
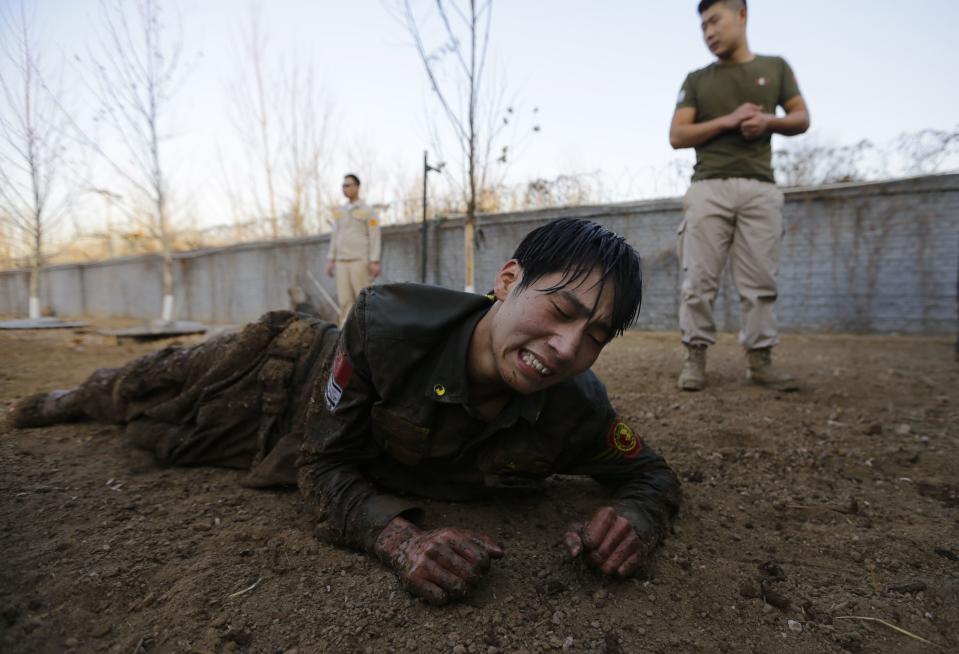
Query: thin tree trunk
469	228
37	258
264	132
167	311
35	281
34	164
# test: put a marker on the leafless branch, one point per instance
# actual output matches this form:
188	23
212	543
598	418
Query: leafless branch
31	141
133	73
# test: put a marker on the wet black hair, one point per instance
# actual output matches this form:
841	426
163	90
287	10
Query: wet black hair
575	247
353	177
732	4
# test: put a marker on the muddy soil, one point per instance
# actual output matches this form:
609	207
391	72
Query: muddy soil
803	514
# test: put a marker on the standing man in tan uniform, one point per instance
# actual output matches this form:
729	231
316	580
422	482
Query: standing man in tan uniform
727	111
354	247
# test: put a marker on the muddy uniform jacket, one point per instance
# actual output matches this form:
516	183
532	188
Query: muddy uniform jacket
395	414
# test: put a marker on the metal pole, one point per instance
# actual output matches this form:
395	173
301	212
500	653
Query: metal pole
426	174
427	169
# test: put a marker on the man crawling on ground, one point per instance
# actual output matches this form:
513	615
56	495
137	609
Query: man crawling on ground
425	392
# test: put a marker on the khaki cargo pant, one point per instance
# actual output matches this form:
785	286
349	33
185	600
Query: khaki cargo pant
351	278
740	219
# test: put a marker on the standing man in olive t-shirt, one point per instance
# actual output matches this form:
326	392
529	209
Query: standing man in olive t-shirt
727	111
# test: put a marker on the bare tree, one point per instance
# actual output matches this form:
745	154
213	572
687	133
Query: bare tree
281	117
560	191
135	72
254	112
6	247
928	151
458	76
305	145
31	143
809	161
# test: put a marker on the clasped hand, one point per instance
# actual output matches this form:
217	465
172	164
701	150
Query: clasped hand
750	120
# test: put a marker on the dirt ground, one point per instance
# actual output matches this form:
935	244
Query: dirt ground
800	510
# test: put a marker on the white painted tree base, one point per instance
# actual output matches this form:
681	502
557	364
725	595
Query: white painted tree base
167	314
34	308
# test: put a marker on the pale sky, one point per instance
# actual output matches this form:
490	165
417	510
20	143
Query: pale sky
604	75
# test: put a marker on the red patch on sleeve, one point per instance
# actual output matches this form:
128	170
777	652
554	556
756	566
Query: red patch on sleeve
342	369
339	378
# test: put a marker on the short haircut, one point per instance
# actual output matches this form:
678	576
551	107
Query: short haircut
575	247
732	4
353	177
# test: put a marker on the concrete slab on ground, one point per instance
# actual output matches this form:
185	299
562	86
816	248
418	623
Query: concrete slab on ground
156	330
41	323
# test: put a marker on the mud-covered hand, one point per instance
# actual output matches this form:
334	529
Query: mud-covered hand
607	542
438	565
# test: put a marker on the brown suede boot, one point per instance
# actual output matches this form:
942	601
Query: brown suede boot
693	376
45	409
760	370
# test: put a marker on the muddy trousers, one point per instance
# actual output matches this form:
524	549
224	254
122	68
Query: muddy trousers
740	220
351	278
239	400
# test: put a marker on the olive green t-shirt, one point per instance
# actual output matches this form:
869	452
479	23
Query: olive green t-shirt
718	89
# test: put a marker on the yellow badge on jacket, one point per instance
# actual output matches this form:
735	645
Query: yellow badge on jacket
622	441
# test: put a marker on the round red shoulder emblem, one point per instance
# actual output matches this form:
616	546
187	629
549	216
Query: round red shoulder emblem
623	440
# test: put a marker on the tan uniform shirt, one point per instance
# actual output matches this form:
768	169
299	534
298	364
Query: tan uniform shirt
356	233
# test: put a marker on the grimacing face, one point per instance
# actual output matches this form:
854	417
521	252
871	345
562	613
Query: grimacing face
539	339
723	28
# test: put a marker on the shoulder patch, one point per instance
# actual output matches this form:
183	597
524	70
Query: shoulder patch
373	222
339	378
622	440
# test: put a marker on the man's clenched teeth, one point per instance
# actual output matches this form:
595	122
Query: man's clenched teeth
535	363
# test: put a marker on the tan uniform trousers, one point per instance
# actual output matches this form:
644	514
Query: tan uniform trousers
351	278
740	219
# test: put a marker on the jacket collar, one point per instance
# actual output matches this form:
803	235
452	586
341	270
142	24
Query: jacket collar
448	382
